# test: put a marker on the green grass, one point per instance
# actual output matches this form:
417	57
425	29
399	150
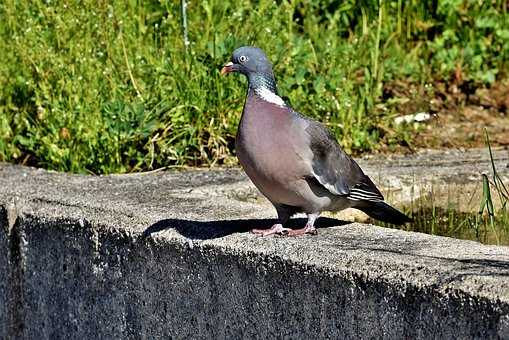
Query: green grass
104	87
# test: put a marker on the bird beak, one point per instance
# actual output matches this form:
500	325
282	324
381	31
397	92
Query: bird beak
227	68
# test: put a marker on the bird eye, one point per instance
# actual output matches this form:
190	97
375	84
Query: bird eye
242	59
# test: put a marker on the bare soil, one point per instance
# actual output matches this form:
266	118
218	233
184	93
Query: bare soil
460	114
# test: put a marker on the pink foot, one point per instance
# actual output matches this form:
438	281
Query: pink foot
277	229
303	231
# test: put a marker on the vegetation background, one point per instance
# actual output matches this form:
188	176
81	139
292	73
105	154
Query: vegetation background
111	86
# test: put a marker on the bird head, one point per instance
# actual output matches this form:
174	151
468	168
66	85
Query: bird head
248	60
254	64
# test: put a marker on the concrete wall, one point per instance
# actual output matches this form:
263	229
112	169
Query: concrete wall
79	282
11	267
4	271
81	258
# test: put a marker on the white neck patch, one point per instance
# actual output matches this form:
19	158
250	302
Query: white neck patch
269	96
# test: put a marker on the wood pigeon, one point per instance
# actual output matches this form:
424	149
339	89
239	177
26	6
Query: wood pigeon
294	161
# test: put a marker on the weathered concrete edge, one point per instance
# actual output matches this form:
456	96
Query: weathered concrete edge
14	219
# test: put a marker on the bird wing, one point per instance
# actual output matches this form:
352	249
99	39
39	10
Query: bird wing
335	170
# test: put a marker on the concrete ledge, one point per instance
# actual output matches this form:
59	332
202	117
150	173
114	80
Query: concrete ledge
167	255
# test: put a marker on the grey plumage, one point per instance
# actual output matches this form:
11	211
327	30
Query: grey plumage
294	161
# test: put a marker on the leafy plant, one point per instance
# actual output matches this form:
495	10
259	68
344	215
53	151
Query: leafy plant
108	87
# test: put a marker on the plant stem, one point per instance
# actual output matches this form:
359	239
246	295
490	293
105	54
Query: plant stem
377	44
183	7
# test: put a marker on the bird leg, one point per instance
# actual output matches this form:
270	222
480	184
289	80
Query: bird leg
308	229
276	229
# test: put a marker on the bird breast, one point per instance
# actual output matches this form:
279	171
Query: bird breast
268	150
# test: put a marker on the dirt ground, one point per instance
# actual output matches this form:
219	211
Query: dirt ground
459	112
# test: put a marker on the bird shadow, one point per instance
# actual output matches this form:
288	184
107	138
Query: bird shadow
205	230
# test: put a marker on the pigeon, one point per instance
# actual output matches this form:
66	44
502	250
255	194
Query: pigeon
294	161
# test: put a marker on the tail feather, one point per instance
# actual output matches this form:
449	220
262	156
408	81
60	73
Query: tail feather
383	212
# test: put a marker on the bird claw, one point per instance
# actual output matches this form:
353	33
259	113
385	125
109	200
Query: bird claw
303	231
276	229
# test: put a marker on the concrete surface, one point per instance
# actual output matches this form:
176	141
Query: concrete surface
168	255
448	178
